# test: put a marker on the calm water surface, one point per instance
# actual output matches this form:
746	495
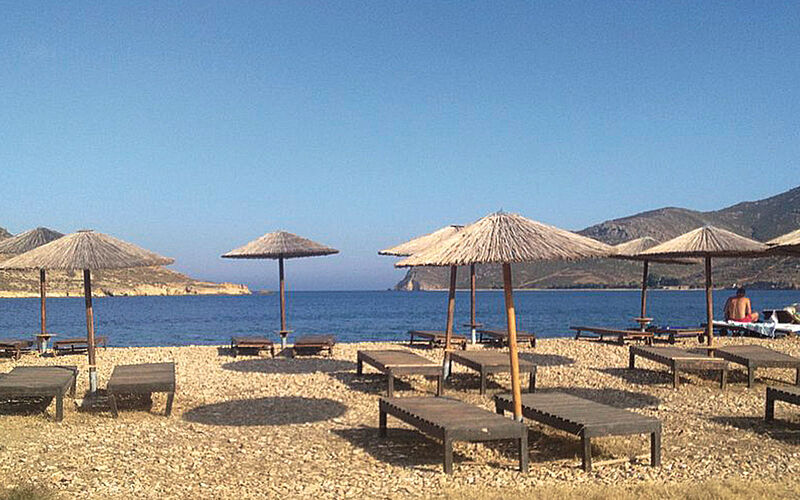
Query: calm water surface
355	316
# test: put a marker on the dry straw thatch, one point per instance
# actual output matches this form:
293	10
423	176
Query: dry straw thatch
631	250
507	238
86	250
787	243
279	245
27	241
708	241
423	242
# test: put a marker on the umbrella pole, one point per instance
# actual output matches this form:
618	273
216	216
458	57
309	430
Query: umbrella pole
87	294
512	341
709	304
43	309
644	291
472	322
283	331
451	308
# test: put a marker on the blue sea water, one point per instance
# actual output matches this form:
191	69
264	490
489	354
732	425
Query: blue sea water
355	316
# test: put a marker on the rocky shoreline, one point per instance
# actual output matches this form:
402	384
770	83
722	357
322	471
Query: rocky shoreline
255	427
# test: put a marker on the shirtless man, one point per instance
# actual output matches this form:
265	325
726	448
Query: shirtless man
738	308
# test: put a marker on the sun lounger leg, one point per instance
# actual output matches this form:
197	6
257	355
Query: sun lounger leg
112	400
170	399
797	377
483	381
676	377
655	449
439	386
586	446
751	375
448	454
532	381
359	367
498	409
390	388
382	423
631	362
577	334
523	451
723	378
59	407
769	415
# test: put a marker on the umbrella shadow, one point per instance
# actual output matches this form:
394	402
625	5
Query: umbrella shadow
546	359
781	430
618	398
296	366
286	410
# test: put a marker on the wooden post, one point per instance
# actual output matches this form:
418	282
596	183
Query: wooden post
709	303
451	307
43	298
283	331
644	291
87	294
512	341
472	303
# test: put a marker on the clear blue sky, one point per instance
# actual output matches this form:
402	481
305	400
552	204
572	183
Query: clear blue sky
191	128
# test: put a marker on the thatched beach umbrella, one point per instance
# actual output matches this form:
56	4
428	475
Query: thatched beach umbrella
788	243
87	251
503	238
25	242
280	245
426	241
631	250
707	242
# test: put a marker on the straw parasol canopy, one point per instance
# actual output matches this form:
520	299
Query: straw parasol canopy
787	243
631	250
25	242
280	245
88	251
503	238
426	241
28	240
423	242
708	242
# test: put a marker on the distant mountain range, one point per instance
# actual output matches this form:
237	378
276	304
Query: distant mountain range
137	281
761	220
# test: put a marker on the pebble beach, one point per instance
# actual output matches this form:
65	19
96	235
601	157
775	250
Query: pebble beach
255	427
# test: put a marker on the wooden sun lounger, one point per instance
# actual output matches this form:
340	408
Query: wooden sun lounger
15	347
487	362
256	344
787	394
673	334
394	363
40	381
314	343
146	379
586	419
599	333
501	337
679	360
449	420
435	337
76	345
756	356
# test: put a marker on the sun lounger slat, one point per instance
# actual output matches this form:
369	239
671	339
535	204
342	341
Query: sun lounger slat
500	337
40	381
678	360
787	394
144	379
599	333
449	420
314	343
257	344
436	338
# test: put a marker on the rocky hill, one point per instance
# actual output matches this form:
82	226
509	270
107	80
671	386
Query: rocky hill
117	282
760	220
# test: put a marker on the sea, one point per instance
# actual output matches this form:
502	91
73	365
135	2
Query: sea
357	316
